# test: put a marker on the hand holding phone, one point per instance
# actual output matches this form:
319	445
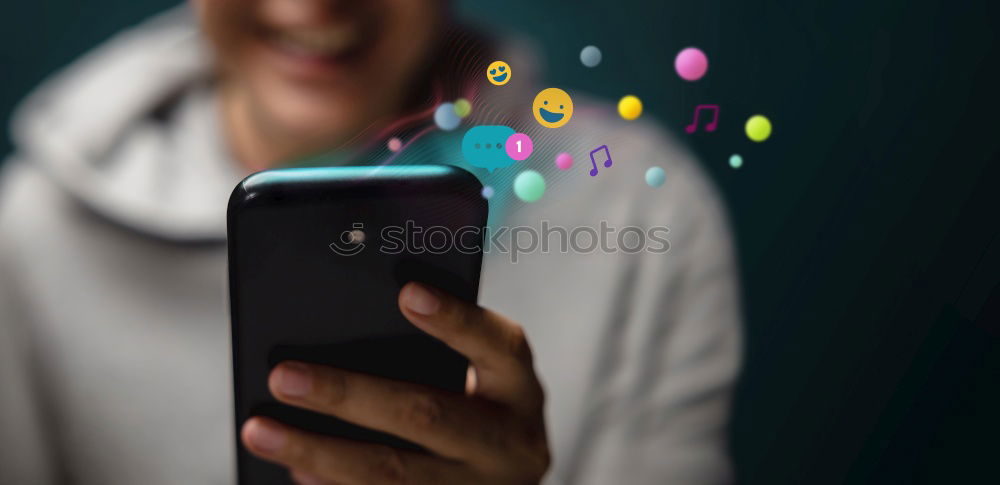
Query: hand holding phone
494	433
350	356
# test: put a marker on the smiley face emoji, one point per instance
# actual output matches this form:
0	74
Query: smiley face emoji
498	73
552	108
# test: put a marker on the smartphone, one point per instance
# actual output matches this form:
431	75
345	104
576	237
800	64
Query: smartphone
317	257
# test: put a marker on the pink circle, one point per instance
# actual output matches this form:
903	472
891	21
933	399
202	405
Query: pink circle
395	144
564	161
518	146
691	64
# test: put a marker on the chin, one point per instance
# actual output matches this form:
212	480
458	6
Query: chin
333	112
314	124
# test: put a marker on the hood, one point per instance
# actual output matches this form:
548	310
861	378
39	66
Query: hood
130	130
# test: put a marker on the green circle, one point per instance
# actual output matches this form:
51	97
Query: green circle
758	128
463	107
529	186
735	161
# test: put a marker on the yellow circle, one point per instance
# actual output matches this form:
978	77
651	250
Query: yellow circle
498	73
629	107
552	107
758	128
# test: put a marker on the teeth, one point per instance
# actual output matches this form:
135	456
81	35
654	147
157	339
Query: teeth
326	41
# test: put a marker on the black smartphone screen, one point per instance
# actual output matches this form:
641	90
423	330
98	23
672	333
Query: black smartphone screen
317	257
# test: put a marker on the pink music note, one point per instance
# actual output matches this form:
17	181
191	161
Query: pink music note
607	163
693	127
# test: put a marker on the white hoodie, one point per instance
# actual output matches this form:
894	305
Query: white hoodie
114	331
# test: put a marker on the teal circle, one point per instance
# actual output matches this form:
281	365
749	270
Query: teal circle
529	186
655	176
735	161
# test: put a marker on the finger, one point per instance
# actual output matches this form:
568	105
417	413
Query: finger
345	461
302	478
470	381
451	425
496	346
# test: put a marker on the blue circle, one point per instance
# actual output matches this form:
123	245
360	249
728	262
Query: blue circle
735	161
487	192
590	56
655	176
446	118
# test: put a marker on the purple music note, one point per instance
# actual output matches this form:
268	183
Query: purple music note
607	163
693	127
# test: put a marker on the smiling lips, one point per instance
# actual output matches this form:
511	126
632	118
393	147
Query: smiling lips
500	78
549	116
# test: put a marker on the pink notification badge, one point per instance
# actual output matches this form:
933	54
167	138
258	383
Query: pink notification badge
519	146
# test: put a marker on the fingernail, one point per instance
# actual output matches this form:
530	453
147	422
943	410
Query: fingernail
265	437
420	300
293	379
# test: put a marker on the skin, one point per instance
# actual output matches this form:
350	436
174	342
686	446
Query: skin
280	102
494	434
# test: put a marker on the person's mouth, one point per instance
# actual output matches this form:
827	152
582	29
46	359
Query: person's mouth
318	52
549	116
318	43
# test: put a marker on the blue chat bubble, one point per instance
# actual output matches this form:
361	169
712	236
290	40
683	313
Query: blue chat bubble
482	146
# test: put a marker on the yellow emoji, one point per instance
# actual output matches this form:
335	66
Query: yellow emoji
498	73
552	108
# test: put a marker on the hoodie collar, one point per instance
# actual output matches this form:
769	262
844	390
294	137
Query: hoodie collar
131	130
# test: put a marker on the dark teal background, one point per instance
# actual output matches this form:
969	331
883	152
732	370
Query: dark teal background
867	224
